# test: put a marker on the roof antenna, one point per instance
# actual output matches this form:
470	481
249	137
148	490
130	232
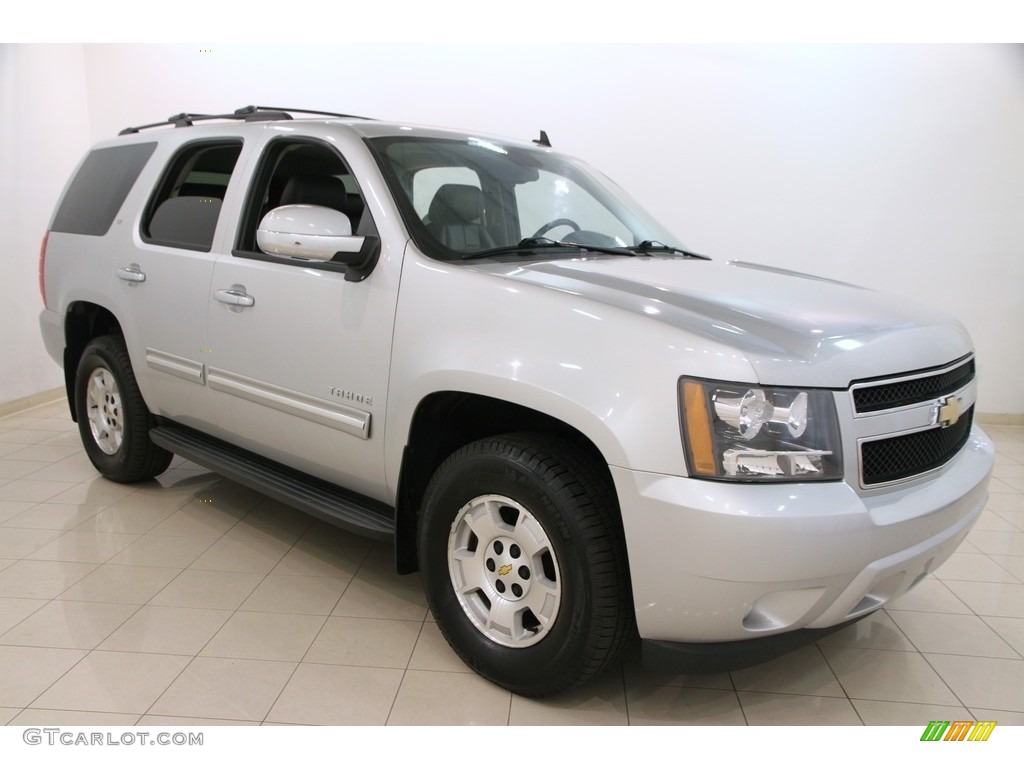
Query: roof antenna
543	141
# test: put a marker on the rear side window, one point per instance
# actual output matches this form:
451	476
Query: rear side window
99	188
184	209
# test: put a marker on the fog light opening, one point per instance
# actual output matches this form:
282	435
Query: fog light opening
867	604
779	610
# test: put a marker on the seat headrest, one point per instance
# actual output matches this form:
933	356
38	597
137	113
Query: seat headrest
457	203
186	222
315	189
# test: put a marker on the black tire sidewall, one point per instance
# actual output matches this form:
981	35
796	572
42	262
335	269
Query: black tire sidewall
536	667
103	353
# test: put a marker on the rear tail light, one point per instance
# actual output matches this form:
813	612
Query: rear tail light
42	268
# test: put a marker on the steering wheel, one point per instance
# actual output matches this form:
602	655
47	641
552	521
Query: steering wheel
557	223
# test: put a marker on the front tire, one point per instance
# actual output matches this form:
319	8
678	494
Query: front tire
113	420
523	560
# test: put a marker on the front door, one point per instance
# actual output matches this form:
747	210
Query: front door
299	356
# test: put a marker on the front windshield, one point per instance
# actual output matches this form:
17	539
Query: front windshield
460	198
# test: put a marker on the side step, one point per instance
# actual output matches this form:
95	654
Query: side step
330	503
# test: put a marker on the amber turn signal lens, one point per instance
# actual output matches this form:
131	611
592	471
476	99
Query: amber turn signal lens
698	429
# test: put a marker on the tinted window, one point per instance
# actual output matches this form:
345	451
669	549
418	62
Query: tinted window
184	211
99	188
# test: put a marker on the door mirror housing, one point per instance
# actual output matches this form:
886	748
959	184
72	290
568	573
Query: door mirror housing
317	233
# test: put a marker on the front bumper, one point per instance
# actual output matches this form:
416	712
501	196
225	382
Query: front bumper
718	562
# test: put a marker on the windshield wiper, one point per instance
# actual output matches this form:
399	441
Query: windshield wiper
654	246
534	244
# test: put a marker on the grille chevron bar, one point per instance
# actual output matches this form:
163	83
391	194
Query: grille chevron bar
869	399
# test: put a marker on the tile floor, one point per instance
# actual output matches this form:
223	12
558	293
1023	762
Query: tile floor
191	600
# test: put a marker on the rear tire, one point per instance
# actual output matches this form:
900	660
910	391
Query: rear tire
523	560
113	420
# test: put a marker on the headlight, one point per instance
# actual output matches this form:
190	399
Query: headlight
750	432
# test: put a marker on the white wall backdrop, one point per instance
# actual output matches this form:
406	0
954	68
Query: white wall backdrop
896	167
44	131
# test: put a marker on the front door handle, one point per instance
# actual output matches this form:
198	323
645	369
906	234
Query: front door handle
235	296
132	274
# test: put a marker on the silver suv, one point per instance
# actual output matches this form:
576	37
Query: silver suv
577	430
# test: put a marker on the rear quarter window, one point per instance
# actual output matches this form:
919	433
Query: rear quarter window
99	189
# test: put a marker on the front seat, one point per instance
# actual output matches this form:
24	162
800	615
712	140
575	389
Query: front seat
315	189
455	218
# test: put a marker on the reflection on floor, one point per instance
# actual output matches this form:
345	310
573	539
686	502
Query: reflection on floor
193	600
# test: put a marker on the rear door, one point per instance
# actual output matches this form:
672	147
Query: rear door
162	284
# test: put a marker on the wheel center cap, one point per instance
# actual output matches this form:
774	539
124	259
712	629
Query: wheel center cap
508	569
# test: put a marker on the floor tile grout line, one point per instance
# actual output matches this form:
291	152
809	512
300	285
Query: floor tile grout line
623	682
945	682
236	610
323	625
299	663
836	674
199	653
796	694
58	562
972	710
88	652
394	698
947	653
739	704
1020	654
405	672
901	703
192	657
988	556
314	638
87	602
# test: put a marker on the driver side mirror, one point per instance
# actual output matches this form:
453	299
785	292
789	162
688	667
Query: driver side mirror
317	233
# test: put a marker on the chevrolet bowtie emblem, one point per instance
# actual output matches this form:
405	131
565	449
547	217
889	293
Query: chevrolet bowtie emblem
948	411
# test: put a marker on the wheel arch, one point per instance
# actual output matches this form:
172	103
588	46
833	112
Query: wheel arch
83	322
445	421
534	592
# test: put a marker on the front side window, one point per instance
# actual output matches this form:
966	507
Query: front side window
301	172
461	198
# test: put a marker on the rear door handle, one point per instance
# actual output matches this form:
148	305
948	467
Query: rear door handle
132	274
234	297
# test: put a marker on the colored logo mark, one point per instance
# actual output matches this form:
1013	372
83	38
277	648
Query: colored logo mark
958	730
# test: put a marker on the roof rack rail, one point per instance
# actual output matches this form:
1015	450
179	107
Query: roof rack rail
288	110
250	113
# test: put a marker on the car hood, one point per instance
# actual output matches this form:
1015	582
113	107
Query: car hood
793	328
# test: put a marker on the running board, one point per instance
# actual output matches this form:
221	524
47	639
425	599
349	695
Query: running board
316	497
